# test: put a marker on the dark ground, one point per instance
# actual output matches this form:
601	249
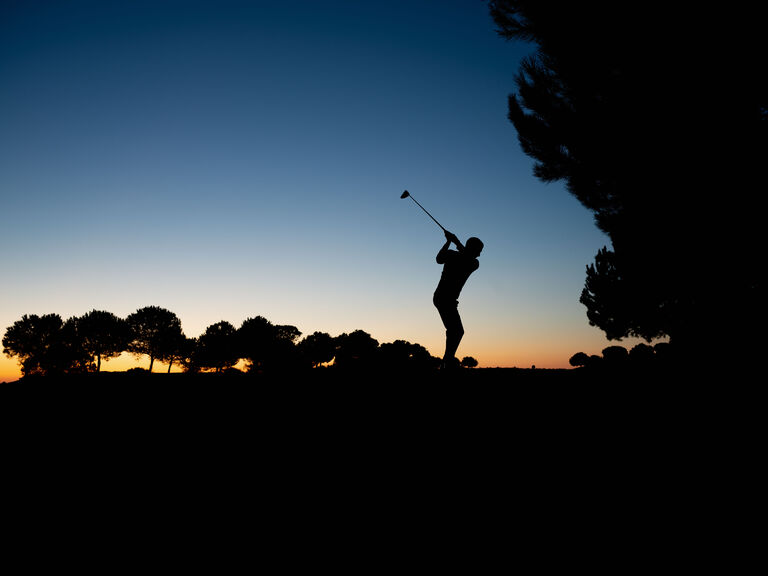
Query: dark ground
480	419
478	398
482	469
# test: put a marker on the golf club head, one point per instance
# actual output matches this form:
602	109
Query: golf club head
404	194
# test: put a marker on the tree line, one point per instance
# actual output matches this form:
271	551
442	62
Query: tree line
49	345
639	357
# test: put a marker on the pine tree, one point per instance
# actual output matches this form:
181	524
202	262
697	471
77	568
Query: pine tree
656	122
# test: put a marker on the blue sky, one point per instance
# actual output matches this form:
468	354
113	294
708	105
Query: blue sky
227	159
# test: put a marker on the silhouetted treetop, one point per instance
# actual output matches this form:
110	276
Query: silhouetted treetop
318	348
355	349
402	354
154	332
35	341
103	335
217	347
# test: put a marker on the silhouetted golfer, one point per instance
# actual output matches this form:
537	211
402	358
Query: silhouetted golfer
457	266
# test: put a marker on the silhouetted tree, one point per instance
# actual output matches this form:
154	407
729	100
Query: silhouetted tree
641	355
468	362
153	332
285	353
266	345
615	356
404	355
181	350
30	340
395	354
188	355
579	359
217	347
623	103
45	345
287	333
422	358
72	355
605	294
317	348
103	335
355	350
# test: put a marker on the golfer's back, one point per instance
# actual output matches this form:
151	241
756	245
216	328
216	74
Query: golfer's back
456	269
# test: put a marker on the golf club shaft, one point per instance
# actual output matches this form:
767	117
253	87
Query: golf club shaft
428	214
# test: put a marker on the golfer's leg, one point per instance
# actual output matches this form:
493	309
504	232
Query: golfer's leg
447	318
453	335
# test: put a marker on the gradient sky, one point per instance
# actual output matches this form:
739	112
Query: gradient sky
226	159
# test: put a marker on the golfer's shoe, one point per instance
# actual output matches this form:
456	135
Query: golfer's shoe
450	365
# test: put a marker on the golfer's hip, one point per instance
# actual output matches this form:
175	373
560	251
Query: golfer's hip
443	300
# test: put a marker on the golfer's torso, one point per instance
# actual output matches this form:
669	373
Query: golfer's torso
456	270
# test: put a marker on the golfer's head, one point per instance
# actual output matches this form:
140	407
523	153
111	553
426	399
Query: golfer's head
474	246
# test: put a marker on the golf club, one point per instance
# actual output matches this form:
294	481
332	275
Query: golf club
406	194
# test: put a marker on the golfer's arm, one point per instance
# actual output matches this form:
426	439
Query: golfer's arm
451	237
443	251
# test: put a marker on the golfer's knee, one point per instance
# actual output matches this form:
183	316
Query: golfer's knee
455	333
